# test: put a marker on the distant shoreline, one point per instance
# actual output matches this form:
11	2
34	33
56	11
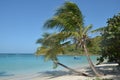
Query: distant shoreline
16	53
43	54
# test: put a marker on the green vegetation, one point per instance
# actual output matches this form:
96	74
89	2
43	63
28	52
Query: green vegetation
69	20
72	38
110	43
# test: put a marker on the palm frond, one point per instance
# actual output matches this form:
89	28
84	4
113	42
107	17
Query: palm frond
67	18
41	50
69	7
98	30
39	41
86	29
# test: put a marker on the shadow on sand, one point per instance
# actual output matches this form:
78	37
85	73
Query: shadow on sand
106	69
54	74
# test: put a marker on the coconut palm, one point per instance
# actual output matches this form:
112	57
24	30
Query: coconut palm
51	46
69	20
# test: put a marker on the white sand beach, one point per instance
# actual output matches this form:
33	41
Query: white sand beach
109	69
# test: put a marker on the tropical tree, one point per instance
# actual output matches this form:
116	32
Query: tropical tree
111	40
52	46
69	20
94	45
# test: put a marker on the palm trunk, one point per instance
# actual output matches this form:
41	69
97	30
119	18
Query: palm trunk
90	62
70	69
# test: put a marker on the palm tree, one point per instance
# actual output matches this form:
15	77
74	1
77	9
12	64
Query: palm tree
69	20
51	47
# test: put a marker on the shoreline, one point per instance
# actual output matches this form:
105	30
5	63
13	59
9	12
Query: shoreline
107	68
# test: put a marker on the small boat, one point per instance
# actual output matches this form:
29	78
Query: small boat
77	58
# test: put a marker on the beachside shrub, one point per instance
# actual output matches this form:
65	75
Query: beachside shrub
110	44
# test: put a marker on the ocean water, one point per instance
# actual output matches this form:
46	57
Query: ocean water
11	64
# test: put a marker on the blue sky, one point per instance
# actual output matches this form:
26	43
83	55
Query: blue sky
21	21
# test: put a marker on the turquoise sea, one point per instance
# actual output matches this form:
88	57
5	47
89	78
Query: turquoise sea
17	64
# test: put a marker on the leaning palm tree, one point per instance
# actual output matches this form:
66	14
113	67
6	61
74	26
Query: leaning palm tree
52	46
69	20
